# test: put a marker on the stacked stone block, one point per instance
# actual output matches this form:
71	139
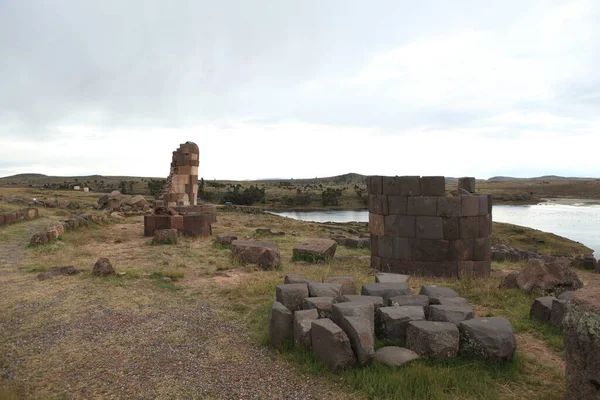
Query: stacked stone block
416	229
181	188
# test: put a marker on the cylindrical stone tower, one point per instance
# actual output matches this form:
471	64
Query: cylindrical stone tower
181	188
416	229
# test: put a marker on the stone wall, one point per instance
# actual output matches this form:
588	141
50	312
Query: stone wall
416	229
181	188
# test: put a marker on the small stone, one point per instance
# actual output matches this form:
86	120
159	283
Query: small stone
103	267
394	356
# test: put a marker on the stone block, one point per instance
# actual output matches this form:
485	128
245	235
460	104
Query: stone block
393	321
470	206
420	268
400	226
197	225
315	250
449	206
430	250
461	250
375	184
433	339
394	356
402	185
362	309
348	283
482	249
323	305
467	183
489	338
444	301
484	228
316	289
281	325
291	278
361	337
397	204
557	312
433	186
374	245
450	313
468	227
264	254
422	206
483	204
377	301
437	291
331	345
302	326
541	308
409	300
429	228
383	277
385	290
394	248
376	224
291	295
451	228
378	204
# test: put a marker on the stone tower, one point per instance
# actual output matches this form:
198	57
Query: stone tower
181	188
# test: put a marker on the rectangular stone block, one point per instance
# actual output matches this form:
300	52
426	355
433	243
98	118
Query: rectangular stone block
374	245
184	170
489	203
469	227
422	205
470	206
483	204
176	222
397	204
430	250
449	206
378	204
402	185
400	226
461	250
385	247
376	224
467	183
433	186
451	228
375	184
485	226
445	269
394	248
482	249
162	222
429	228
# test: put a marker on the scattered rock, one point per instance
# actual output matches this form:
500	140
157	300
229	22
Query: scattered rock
377	301
450	313
263	254
103	267
348	283
291	295
331	345
433	339
554	277
394	356
165	236
316	289
361	337
281	325
314	250
323	305
302	326
489	338
541	308
434	292
354	309
385	277
385	290
410	300
393	321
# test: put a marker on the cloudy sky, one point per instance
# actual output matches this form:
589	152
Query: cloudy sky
301	88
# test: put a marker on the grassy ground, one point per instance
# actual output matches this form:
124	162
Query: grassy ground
201	333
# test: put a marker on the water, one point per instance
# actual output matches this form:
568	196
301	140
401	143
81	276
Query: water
579	222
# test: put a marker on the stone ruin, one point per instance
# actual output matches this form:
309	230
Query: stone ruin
177	206
417	229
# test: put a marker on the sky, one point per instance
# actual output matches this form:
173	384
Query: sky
301	88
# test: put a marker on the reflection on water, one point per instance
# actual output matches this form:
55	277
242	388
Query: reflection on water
580	223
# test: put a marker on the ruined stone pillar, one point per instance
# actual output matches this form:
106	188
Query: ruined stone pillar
416	229
181	188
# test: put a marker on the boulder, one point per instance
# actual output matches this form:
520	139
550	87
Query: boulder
315	250
291	278
410	300
137	202
582	343
489	338
291	295
316	289
354	309
385	277
323	305
348	283
38	238
165	236
393	321
557	312
302	326
554	277
281	325
541	308
225	239
361	337
263	254
386	290
377	301
103	267
331	345
433	339
450	313
394	356
58	271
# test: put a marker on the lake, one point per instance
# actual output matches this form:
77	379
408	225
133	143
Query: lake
577	221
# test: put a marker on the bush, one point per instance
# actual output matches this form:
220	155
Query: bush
247	197
156	186
331	197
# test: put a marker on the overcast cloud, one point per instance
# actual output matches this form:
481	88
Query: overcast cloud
301	88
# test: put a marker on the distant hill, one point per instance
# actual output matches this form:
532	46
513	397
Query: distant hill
538	178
